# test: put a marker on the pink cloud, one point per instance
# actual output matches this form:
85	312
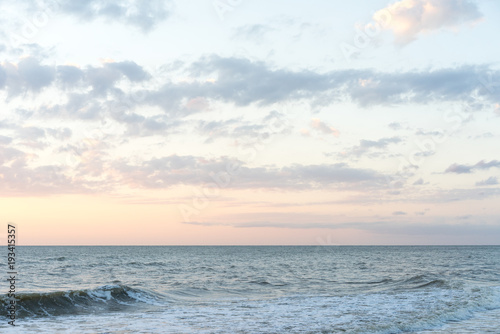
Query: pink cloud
409	18
324	128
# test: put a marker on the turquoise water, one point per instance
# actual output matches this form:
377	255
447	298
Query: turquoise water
260	289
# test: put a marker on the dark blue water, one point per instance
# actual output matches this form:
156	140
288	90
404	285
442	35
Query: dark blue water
261	289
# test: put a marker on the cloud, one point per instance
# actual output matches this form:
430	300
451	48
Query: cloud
381	143
252	30
312	221
34	75
242	82
38	137
459	169
32	137
142	14
4	140
418	182
408	19
486	165
103	78
366	146
60	133
130	69
3	77
330	174
140	126
434	133
27	75
19	179
31	133
7	125
322	127
466	169
198	104
173	170
399	213
236	78
455	195
417	87
488	182
424	153
306	133
79	106
483	135
8	155
246	132
234	128
395	126
69	75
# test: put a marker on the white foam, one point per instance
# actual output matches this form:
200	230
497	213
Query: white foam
143	297
100	294
425	311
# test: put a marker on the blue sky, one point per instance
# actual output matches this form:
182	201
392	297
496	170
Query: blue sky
249	122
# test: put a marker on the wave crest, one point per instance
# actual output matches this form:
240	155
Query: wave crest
107	298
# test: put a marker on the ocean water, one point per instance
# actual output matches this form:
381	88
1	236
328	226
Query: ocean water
256	289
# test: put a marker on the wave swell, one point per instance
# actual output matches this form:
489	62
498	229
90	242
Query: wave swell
108	298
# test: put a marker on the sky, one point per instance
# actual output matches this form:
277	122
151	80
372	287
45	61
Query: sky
235	122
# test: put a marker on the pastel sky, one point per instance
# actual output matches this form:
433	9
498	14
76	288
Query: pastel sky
250	122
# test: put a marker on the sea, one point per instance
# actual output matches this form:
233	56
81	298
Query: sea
254	289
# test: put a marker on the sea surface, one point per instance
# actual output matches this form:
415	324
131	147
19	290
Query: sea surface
256	289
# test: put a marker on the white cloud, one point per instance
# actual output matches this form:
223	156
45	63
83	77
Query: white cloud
408	19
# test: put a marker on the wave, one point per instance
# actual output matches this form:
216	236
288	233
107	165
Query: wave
60	258
264	282
382	281
107	298
415	282
437	283
427	281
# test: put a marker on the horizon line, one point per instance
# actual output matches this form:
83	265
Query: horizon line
253	245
